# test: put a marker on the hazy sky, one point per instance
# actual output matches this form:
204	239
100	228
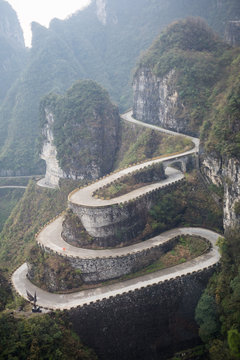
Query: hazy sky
43	11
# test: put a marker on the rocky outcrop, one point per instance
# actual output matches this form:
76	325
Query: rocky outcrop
226	173
80	133
231	178
13	54
232	33
49	153
156	101
212	168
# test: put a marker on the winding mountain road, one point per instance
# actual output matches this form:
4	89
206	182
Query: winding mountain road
50	238
67	301
85	197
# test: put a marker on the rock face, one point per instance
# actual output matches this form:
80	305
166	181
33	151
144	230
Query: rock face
212	168
231	176
13	52
79	132
232	33
49	153
226	173
156	100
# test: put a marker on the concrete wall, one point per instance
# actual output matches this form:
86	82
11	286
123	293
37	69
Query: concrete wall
149	323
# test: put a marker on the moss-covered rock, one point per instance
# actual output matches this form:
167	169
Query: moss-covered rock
85	128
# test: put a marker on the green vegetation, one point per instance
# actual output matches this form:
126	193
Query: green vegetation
8	200
199	59
35	208
52	272
12	51
139	144
188	205
187	248
42	337
124	185
237	208
220	136
73	224
198	353
85	128
14	181
218	310
5	292
82	48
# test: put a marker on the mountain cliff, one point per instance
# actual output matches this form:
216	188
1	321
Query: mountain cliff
80	133
188	81
221	143
175	76
12	49
102	42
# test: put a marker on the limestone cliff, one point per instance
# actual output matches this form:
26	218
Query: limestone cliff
231	192
175	76
156	100
232	33
49	155
177	86
224	172
12	52
80	133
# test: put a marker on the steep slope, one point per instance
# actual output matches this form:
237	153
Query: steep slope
101	43
217	120
221	141
12	48
189	81
82	129
175	77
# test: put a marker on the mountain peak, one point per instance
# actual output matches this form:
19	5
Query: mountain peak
9	25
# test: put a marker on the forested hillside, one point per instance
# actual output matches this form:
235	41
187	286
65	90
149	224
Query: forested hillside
89	46
12	51
207	84
197	59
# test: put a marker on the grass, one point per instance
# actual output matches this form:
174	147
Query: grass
14	181
139	144
136	180
188	247
8	200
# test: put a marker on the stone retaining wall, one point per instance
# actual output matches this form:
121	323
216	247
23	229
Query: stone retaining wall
117	224
107	268
149	323
102	269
